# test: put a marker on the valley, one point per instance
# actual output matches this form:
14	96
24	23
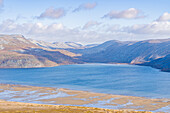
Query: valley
19	52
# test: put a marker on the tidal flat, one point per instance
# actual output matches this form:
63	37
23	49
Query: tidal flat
67	97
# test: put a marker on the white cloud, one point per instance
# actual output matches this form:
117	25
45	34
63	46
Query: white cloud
157	28
9	26
164	17
113	28
130	13
54	32
58	32
53	13
85	6
91	24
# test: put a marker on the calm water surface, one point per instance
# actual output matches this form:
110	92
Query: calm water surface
104	78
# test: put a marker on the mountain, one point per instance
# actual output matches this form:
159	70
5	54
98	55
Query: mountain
57	45
160	63
15	42
91	45
126	52
98	48
132	52
19	52
65	45
61	45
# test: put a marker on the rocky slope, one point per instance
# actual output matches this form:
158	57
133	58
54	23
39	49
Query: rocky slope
18	52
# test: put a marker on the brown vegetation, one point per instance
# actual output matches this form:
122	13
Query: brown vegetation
17	107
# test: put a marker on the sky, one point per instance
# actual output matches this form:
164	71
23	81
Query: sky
86	21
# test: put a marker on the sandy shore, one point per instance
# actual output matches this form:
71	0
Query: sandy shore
55	96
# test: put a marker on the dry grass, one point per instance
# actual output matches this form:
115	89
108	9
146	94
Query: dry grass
37	108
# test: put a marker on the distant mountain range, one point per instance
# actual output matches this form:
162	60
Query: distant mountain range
19	52
60	45
154	53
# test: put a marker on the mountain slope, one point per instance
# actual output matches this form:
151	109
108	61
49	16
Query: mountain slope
98	48
15	42
132	52
18	52
127	52
61	45
16	60
65	45
57	45
160	63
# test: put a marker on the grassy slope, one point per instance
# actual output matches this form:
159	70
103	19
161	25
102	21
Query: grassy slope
18	107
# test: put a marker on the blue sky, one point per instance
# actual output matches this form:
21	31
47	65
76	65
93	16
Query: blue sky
86	21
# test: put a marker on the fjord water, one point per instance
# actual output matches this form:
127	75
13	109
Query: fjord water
103	78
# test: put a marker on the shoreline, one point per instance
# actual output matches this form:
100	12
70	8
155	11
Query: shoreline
87	63
83	90
62	96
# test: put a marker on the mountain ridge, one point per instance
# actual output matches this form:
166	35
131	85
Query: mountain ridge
131	52
19	52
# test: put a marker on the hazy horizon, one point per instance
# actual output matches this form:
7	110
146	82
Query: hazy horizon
87	43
